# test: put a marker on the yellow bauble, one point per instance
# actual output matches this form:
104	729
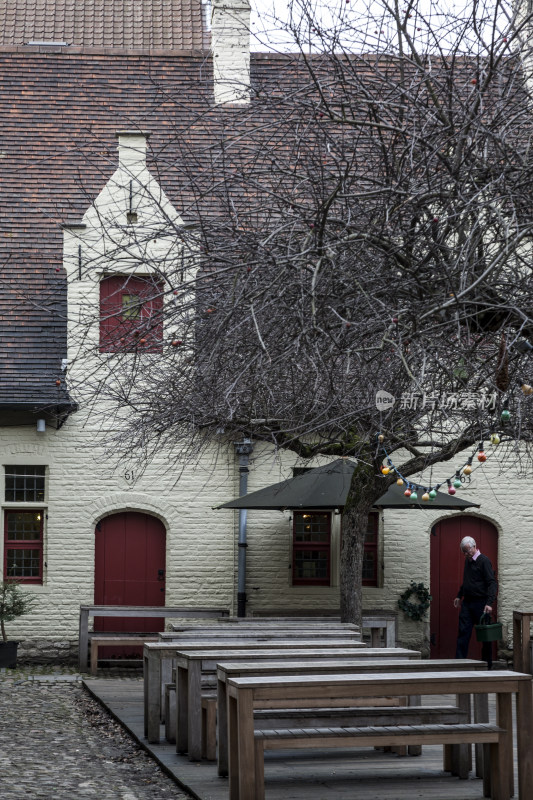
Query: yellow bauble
467	470
399	482
425	496
494	438
385	470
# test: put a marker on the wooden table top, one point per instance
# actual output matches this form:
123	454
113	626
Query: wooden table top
422	682
281	656
237	644
355	665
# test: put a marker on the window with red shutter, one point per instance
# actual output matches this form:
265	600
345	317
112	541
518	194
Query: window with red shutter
131	314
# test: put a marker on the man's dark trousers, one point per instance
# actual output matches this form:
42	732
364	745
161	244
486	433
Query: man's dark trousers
471	612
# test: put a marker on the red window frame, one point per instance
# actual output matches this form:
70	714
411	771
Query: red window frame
23	544
131	314
319	547
370	551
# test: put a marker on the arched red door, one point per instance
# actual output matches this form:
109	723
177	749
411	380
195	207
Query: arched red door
129	568
446	575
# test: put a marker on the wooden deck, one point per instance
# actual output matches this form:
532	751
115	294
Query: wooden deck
320	775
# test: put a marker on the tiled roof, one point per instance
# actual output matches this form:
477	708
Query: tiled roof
60	112
126	24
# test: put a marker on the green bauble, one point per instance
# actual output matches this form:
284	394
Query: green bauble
414	496
432	494
457	483
506	415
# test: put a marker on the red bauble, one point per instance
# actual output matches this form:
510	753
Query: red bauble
451	490
407	493
481	456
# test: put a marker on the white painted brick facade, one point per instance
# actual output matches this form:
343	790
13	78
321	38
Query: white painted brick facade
230	44
202	543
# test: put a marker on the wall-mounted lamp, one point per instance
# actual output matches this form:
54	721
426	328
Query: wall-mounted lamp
41	425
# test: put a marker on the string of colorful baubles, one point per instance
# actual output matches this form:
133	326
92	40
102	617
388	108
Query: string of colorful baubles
430	493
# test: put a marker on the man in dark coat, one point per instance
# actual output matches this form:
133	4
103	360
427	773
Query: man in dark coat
477	593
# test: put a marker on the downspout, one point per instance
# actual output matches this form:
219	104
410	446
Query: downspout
243	449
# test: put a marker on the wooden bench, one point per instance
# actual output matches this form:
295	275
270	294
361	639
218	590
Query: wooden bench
134	640
399	735
165	612
245	694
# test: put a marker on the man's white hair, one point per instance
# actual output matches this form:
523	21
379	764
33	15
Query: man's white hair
467	542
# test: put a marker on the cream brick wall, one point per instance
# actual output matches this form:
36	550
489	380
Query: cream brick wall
230	43
201	542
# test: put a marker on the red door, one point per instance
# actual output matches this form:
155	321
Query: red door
446	574
129	570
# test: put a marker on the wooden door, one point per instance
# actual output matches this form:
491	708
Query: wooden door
129	570
446	575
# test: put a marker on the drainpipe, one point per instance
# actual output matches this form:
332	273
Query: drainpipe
243	449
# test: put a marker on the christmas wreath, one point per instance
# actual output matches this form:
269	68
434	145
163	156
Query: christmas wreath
418	610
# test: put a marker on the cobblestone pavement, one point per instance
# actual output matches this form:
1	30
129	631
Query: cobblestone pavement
57	743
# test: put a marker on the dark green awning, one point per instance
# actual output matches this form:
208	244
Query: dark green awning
327	487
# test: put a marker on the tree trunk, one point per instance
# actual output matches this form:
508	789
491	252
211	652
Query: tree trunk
359	504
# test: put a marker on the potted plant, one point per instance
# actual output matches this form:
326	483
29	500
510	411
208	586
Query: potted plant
13	603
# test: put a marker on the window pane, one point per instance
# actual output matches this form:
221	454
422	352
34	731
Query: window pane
23	563
25	484
369	565
311	527
23	525
311	564
131	306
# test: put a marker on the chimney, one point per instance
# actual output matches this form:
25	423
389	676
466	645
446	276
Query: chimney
230	44
132	150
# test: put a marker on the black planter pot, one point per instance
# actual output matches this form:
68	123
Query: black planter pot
8	654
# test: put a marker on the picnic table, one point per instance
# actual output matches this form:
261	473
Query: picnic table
377	620
192	665
245	749
406	661
158	657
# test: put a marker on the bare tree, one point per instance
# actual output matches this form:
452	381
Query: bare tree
363	226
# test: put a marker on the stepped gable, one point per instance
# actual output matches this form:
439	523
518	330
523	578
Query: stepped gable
60	110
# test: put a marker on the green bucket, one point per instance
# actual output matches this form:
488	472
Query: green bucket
488	631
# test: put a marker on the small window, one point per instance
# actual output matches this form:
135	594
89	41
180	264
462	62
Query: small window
24	484
370	554
311	561
131	314
131	306
23	545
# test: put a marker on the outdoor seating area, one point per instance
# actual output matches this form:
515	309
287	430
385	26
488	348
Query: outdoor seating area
229	693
